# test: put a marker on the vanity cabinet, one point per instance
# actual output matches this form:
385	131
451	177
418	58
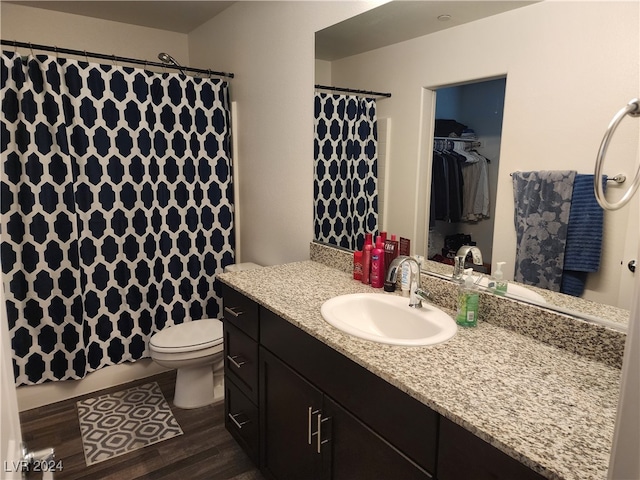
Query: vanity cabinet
380	417
303	410
306	434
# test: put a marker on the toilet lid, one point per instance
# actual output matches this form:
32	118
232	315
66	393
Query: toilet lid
188	336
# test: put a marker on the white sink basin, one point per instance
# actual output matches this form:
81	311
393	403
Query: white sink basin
387	318
515	291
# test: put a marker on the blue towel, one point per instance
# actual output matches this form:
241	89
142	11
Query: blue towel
542	205
584	236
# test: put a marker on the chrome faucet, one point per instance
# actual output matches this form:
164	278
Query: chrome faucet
415	292
461	256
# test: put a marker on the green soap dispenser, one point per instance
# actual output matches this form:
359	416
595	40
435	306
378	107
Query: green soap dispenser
467	314
499	286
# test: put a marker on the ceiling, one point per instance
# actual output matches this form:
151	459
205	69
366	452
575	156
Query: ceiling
175	16
398	21
387	24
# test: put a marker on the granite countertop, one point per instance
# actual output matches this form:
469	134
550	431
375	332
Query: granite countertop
550	409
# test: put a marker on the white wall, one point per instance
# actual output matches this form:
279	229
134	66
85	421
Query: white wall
269	46
569	65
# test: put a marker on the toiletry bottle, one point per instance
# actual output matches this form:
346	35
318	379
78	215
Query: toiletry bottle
405	283
405	246
467	314
390	251
377	265
368	239
357	265
500	286
405	279
366	263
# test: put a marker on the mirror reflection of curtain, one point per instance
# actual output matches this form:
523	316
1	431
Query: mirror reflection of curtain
345	169
117	209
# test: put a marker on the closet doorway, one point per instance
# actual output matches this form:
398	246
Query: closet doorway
465	169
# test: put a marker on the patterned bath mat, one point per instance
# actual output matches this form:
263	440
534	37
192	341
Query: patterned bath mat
118	423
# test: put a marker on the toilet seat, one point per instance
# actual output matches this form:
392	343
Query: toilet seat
188	337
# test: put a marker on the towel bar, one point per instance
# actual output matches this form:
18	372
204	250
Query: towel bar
633	110
619	178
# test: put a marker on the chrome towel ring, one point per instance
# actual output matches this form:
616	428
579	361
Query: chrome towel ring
632	109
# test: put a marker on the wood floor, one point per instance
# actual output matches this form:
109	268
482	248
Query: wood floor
204	451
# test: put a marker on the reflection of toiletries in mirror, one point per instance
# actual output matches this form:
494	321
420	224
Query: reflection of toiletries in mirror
497	282
405	249
405	246
501	283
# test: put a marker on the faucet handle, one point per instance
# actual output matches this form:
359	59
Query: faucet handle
424	294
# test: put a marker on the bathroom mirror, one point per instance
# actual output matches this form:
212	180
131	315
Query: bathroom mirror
569	67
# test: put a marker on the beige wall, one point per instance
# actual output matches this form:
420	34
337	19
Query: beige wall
569	65
270	48
46	27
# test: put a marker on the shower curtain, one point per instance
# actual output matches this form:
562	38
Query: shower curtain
345	169
116	209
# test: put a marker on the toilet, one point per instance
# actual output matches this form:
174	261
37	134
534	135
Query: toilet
196	350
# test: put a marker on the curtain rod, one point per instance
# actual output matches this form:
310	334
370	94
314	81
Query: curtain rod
84	53
351	90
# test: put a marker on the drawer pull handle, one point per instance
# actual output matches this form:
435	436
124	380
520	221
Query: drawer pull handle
238	424
231	311
235	360
309	433
319	439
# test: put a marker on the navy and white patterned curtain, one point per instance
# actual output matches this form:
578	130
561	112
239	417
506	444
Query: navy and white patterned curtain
345	169
116	213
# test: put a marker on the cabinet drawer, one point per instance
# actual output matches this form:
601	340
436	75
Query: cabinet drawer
241	312
241	360
242	420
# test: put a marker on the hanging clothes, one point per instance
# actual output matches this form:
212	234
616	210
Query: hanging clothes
459	183
476	200
446	186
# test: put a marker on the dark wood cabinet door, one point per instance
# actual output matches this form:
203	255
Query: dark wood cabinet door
289	407
463	456
356	452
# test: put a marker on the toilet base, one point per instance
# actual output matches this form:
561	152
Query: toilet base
194	387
